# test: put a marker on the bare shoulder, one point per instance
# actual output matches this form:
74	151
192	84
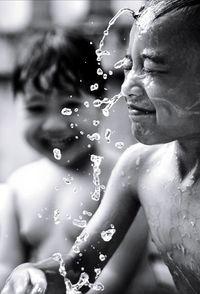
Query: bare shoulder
6	200
34	182
137	155
33	173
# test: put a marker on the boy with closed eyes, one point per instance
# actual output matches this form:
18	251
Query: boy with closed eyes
162	172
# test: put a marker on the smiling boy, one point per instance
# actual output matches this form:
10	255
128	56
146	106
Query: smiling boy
162	90
51	199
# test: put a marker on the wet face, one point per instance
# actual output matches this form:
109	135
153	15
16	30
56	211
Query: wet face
58	121
162	82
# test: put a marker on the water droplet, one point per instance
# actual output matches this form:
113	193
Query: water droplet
76	110
85	212
56	216
94	87
39	215
119	145
66	111
120	63
82	237
93	137
110	103
96	122
79	223
98	287
57	153
96	195
98	272
102	257
97	103
76	248
107	235
71	125
105	112
68	180
87	104
107	135
99	71
110	72
105	76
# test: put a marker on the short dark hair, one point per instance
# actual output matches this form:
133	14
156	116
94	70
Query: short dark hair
60	58
188	10
162	7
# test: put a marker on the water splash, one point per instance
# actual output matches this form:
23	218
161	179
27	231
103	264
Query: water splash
98	102
110	104
88	213
96	176
80	239
57	153
79	223
96	122
94	87
98	272
94	137
99	71
108	234
86	104
99	51
102	257
66	111
68	180
56	216
119	145
107	135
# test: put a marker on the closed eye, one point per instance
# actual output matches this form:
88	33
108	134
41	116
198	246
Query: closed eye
150	67
35	108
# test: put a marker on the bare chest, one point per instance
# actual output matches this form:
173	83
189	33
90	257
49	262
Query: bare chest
51	223
174	220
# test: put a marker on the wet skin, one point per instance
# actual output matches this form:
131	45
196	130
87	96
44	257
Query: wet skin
162	91
40	188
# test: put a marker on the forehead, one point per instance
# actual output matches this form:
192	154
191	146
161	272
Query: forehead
163	36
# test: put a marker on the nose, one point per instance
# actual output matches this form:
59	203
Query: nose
54	123
132	85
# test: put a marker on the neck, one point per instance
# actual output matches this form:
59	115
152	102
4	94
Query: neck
188	158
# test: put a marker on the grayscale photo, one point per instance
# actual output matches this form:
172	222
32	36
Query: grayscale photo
100	146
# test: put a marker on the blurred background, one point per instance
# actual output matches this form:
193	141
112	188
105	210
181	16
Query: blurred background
92	16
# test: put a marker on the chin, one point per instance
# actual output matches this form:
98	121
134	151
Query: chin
149	137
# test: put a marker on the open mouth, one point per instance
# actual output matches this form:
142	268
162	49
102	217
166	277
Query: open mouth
135	110
60	143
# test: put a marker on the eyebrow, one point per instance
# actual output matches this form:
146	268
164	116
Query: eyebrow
156	57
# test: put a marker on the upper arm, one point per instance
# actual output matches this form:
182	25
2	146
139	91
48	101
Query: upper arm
120	203
11	252
117	210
